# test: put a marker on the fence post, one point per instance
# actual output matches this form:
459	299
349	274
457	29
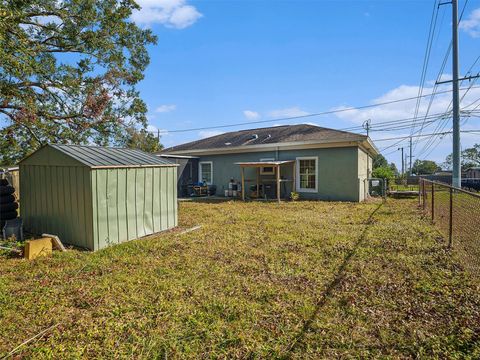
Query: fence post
419	193
424	190
433	202
450	223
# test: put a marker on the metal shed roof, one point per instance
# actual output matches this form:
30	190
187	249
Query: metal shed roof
105	157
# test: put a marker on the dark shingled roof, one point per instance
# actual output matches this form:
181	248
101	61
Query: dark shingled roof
97	156
269	135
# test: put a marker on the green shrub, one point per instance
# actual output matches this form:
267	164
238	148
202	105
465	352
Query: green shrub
383	172
294	196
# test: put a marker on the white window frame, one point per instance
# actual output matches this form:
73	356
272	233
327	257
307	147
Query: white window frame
263	172
297	175
200	177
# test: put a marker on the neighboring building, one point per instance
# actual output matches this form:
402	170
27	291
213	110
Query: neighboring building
443	173
473	173
318	163
93	197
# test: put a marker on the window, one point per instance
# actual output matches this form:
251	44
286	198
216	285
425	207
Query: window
205	172
307	174
267	170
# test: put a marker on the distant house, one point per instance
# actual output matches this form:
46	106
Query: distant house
473	173
443	173
316	162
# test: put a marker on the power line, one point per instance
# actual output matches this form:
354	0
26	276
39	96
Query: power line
328	112
434	91
429	142
439	139
442	126
424	135
396	144
388	122
426	57
400	124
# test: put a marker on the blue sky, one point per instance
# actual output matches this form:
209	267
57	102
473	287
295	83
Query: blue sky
224	62
235	61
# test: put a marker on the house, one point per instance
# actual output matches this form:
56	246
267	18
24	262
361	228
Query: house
473	173
93	197
272	162
187	172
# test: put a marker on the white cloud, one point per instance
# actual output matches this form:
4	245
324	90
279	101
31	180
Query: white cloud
288	112
406	109
441	146
170	13
165	108
152	128
208	133
251	115
471	25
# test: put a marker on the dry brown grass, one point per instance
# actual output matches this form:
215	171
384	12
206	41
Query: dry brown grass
259	280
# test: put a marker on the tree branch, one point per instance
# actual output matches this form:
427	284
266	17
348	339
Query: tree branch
22	124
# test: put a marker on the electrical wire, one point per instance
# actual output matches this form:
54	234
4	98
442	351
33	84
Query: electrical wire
422	135
328	112
426	57
440	73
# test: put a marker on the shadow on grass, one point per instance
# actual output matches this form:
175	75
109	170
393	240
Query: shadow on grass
327	293
208	199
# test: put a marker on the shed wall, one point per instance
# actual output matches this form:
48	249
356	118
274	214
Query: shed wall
57	199
129	203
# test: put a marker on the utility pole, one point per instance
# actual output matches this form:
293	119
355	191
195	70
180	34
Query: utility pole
406	160
456	173
366	126
410	167
403	164
456	169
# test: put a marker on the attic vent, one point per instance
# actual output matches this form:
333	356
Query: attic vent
254	136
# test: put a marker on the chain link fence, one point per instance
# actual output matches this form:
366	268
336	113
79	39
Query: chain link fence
456	213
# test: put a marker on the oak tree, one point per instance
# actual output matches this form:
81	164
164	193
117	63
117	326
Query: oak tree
68	71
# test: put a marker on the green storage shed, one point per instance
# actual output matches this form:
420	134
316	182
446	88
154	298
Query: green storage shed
93	197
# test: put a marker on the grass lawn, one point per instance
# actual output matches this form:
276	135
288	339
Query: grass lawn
259	280
395	187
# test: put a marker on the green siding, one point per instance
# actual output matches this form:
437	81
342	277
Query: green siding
338	177
364	172
130	204
51	203
156	204
94	208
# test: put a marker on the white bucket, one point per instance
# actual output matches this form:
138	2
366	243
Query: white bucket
226	193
